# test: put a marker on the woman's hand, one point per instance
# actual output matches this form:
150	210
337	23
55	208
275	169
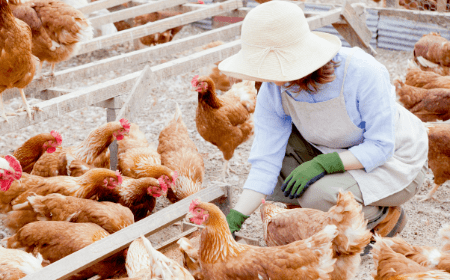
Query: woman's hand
309	172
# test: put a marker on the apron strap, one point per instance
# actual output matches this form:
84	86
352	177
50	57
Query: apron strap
347	62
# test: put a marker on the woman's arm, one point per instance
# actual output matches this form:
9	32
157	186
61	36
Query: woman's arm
350	161
272	130
377	107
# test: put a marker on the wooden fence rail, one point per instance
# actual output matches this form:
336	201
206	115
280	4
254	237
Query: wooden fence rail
78	99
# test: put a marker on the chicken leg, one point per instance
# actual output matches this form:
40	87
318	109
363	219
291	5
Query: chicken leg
226	170
430	194
26	103
52	73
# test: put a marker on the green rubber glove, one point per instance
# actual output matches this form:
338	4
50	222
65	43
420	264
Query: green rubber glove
235	220
309	172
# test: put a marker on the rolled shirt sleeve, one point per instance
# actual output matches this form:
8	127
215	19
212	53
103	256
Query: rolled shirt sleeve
272	130
377	108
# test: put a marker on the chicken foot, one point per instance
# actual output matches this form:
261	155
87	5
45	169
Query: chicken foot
226	170
27	107
430	194
39	73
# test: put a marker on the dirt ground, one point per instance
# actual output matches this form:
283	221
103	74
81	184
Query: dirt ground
425	218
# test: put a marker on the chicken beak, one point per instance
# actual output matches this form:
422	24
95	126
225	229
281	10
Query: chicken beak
188	217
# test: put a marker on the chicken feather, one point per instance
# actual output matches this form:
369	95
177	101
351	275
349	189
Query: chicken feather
283	226
221	257
178	152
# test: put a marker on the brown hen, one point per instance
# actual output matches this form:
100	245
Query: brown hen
390	265
98	182
55	240
425	79
283	226
138	159
178	152
139	195
221	257
17	63
225	121
438	154
56	207
57	29
426	256
428	105
35	147
93	152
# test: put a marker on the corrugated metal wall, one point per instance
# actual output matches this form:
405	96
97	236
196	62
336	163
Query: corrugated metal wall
387	32
402	34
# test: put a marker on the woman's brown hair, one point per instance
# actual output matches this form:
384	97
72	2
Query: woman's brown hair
313	81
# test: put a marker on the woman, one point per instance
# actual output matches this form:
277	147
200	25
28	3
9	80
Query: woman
326	119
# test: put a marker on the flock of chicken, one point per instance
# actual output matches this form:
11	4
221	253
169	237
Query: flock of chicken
59	200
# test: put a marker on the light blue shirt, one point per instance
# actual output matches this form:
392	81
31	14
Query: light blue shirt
370	103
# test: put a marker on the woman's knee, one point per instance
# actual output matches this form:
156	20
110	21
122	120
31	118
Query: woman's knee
322	195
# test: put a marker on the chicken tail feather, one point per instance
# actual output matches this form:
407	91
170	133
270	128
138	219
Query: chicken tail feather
347	215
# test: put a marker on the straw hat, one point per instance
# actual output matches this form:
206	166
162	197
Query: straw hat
277	45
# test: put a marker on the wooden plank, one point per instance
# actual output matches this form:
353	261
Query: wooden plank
355	30
441	5
324	19
131	108
430	17
175	239
134	11
84	97
99	5
121	239
158	26
133	60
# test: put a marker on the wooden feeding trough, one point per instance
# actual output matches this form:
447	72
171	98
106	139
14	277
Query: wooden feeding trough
133	87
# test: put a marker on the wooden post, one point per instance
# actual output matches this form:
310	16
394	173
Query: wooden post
111	117
131	107
355	30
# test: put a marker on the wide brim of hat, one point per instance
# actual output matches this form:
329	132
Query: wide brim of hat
317	49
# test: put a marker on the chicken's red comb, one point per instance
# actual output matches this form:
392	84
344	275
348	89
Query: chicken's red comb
119	177
15	164
194	204
194	81
125	124
162	183
263	200
57	136
201	2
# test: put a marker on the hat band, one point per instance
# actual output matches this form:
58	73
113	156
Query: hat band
277	50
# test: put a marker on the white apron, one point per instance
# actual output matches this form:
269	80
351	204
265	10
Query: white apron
327	126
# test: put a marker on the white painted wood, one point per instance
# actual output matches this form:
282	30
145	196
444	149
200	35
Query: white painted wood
99	5
132	60
134	12
133	103
159	26
78	99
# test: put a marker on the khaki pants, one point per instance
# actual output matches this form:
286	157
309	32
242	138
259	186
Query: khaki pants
322	195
